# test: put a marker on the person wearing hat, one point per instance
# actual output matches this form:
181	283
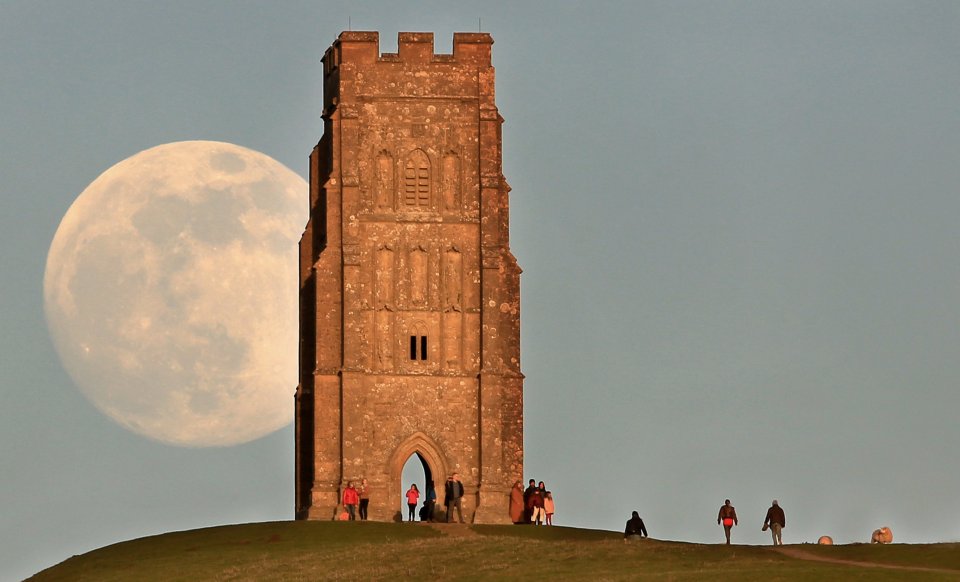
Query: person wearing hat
776	521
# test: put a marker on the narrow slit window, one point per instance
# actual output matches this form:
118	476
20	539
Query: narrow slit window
413	347
423	347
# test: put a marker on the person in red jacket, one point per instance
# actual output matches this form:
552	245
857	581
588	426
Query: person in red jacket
413	494
728	517
351	497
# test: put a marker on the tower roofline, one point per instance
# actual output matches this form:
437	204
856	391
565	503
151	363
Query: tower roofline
363	47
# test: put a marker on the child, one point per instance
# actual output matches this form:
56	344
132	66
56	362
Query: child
548	507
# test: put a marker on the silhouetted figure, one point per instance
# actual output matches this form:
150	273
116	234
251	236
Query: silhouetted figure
429	501
727	517
776	521
635	528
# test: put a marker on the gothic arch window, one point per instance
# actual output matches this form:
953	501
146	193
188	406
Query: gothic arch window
416	180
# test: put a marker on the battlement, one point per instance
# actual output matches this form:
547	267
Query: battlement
363	47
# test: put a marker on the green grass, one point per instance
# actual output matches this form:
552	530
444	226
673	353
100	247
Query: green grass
945	556
387	551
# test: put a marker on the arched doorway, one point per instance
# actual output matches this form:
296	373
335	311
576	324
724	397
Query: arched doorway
416	460
416	471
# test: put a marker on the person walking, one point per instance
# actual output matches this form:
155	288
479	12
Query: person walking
350	500
635	528
727	517
364	492
516	502
453	494
413	495
776	521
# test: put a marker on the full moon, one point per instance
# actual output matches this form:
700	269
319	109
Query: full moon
171	293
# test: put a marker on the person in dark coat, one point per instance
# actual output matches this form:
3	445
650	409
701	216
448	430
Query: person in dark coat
535	507
429	502
527	511
776	521
635	528
453	493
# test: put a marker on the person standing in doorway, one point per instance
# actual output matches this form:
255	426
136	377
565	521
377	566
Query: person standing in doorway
413	495
350	500
364	492
727	517
776	521
430	501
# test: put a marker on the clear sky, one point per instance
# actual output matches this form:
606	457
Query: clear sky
737	223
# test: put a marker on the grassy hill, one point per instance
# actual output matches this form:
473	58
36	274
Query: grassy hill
400	551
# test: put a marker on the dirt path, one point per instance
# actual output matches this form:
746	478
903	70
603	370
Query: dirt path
800	554
454	530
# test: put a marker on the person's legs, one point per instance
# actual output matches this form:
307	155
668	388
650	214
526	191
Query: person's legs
777	536
726	532
351	511
549	519
363	508
459	509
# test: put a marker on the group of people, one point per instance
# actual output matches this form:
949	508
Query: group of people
775	521
532	505
354	497
452	500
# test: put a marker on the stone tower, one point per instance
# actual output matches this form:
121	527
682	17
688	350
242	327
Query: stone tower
409	294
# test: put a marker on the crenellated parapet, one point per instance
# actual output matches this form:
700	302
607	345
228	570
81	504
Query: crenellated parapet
469	48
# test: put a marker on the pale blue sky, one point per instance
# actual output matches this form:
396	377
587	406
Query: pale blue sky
737	223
